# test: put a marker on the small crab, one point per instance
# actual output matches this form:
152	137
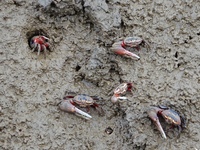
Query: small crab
169	115
39	43
83	100
121	90
131	42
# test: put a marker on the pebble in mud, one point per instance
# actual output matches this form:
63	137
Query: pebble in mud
109	130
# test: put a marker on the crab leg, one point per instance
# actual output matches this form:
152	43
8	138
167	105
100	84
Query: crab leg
39	49
45	50
68	107
152	113
118	49
115	98
35	45
45	37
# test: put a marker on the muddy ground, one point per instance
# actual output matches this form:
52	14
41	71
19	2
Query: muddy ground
81	34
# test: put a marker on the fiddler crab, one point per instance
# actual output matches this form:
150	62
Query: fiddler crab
82	100
121	90
40	43
120	47
169	115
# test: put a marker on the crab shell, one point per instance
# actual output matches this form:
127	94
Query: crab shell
40	40
171	117
132	41
122	88
83	100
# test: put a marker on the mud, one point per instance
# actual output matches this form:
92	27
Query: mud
81	33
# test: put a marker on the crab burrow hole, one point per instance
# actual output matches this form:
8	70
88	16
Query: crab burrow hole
38	41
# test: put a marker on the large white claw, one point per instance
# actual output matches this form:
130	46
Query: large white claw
82	114
152	113
160	129
115	99
118	49
66	106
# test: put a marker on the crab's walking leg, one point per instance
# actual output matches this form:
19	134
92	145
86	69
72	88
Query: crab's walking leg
39	49
45	50
45	37
34	47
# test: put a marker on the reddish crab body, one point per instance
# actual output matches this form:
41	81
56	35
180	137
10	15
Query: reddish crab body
39	43
170	116
120	47
121	90
82	100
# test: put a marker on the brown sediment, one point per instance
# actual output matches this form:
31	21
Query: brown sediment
82	34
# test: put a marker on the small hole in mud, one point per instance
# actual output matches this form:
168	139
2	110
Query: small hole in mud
198	33
31	34
109	130
38	41
178	65
122	23
190	37
107	1
176	55
78	68
53	4
185	41
20	130
113	68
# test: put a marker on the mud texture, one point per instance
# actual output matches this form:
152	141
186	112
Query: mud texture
81	33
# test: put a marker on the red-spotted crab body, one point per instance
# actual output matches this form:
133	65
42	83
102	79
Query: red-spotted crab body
169	115
39	43
120	47
69	105
121	90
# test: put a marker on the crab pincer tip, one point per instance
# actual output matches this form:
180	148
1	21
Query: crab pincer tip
137	57
134	56
82	114
161	129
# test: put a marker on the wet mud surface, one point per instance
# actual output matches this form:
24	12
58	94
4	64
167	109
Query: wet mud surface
81	34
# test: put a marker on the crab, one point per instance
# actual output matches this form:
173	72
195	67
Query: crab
121	90
39	43
120	47
82	100
170	116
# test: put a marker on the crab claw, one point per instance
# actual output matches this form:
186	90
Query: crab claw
121	90
66	106
44	37
118	49
115	98
152	113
